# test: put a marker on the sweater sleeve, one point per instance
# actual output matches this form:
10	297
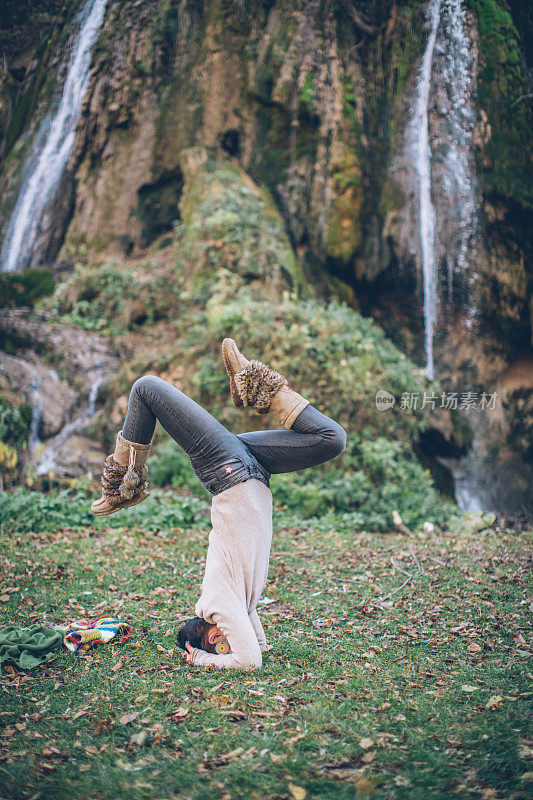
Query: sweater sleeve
245	651
258	628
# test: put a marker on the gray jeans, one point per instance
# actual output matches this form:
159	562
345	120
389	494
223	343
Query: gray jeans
222	459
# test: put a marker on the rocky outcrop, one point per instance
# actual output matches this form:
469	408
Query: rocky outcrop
21	378
229	221
58	370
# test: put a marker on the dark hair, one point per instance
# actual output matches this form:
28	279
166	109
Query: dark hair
193	631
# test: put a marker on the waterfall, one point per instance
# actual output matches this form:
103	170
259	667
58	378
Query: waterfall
52	147
34	440
459	184
420	129
443	159
47	462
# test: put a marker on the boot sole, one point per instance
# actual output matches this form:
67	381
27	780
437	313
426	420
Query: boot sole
132	502
227	345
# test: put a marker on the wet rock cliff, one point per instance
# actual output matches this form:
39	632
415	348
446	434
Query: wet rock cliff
321	105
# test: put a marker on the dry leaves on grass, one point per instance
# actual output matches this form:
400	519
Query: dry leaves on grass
125	719
298	792
178	715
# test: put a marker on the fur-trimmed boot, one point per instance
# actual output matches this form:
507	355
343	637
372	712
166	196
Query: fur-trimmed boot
124	477
234	361
259	386
286	405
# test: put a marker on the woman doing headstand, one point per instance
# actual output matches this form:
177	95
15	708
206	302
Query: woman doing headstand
235	469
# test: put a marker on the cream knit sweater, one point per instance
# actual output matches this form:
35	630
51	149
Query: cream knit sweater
236	572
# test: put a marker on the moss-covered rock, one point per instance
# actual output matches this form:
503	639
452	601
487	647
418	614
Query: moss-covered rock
229	221
344	227
506	157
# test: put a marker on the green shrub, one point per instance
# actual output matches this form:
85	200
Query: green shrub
15	422
25	510
25	288
95	299
170	466
334	356
374	477
112	300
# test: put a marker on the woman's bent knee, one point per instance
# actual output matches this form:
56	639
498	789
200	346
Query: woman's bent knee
146	383
340	439
336	439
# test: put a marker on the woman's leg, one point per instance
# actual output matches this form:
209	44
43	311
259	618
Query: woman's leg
312	439
219	458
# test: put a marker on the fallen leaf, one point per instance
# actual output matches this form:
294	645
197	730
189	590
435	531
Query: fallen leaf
233	754
400	780
125	765
466	688
366	744
494	702
125	719
295	738
138	739
179	714
363	786
222	699
101	725
298	792
474	647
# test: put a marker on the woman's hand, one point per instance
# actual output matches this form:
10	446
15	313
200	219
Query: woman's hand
189	650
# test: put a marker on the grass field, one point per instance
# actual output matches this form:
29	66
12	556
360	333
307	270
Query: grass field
398	669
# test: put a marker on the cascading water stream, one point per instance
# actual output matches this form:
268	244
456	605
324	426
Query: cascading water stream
447	232
47	461
420	125
34	440
441	153
459	182
48	160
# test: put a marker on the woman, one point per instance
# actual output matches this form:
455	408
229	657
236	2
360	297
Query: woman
235	469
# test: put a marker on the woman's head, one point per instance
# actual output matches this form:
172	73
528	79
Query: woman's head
201	634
